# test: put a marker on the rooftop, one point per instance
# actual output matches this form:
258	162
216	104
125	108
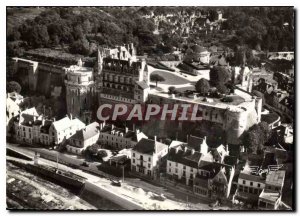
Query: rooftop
66	122
276	178
195	142
89	131
148	146
239	105
270	118
250	177
184	156
269	196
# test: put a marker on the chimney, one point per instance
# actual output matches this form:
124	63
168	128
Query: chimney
193	151
71	117
173	96
137	131
112	126
126	129
242	149
187	138
133	127
227	150
155	138
54	119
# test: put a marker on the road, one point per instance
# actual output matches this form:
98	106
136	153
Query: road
131	188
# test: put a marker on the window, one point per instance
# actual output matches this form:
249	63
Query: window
251	183
149	159
184	167
169	169
258	185
170	164
244	182
216	116
149	165
133	161
176	164
191	169
176	170
133	155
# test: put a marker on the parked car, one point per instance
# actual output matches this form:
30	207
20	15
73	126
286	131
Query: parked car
115	183
85	164
158	197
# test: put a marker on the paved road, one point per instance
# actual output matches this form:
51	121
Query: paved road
134	189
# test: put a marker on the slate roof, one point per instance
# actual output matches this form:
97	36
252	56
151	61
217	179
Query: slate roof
147	146
187	157
46	126
142	84
87	132
250	177
195	142
270	118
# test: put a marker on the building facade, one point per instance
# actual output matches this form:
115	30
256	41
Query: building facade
119	138
83	138
63	129
147	156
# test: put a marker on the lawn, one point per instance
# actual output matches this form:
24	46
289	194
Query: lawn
170	78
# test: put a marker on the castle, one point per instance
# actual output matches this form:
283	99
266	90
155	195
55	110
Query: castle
119	77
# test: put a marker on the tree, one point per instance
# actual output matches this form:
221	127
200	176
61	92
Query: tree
172	90
202	86
222	88
156	78
13	86
219	75
255	138
92	149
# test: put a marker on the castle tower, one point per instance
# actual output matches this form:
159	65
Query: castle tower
80	91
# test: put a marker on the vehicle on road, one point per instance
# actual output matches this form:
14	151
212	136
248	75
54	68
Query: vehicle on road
115	183
85	164
158	197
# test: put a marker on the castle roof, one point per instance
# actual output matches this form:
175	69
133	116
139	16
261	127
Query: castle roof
142	84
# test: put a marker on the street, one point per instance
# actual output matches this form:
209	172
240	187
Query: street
133	189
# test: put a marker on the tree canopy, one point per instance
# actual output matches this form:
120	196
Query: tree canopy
13	86
202	86
156	78
255	138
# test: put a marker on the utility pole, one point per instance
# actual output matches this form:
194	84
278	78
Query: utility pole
123	173
187	201
57	162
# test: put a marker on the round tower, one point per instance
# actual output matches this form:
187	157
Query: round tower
236	123
80	91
